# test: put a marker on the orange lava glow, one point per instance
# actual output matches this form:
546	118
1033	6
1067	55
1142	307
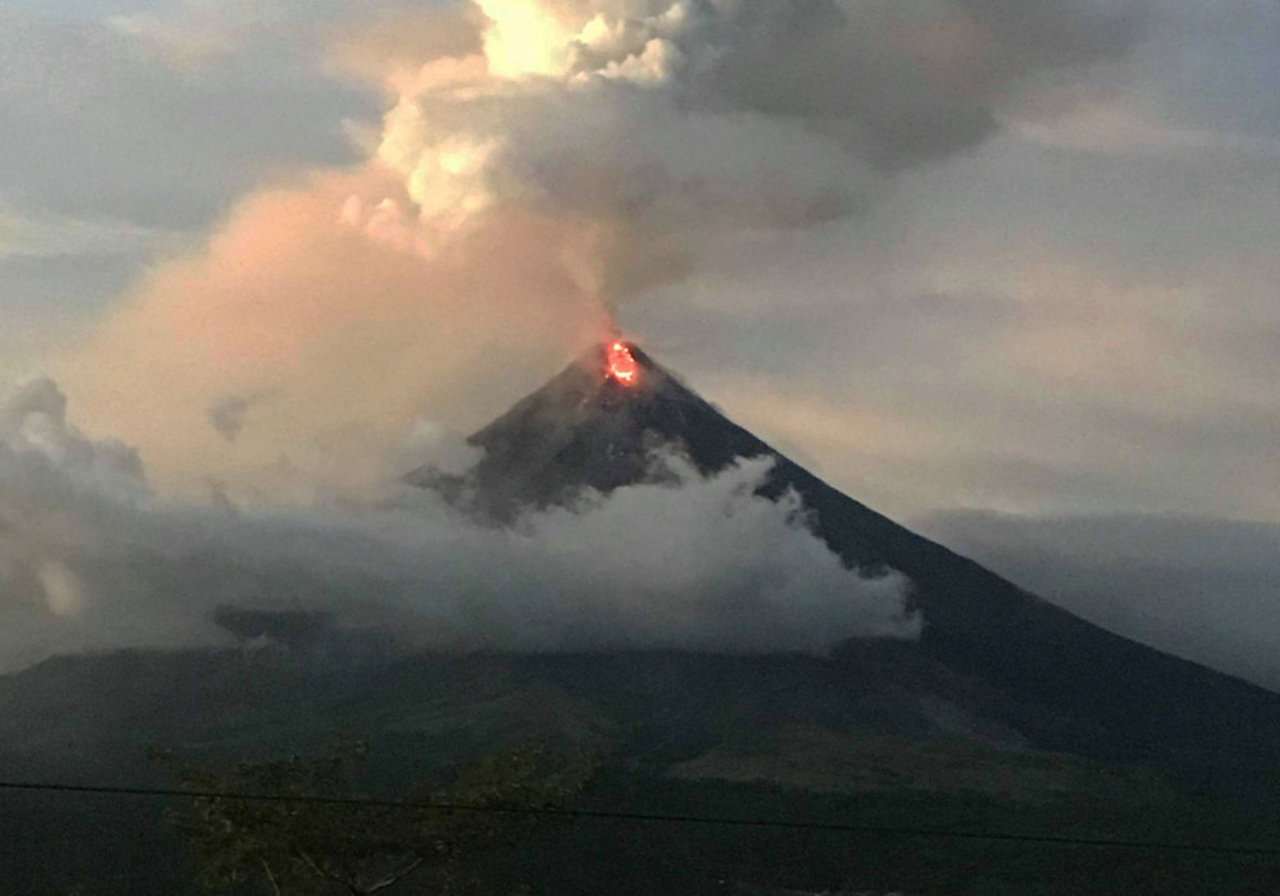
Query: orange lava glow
621	365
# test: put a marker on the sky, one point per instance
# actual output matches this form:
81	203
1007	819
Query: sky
991	267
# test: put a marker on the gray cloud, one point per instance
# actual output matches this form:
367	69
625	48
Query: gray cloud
905	82
90	560
99	121
1224	74
226	415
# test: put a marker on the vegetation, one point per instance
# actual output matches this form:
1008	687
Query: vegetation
313	831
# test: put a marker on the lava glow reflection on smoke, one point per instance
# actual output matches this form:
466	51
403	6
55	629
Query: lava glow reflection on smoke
621	365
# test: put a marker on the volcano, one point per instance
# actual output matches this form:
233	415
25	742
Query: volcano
1059	681
1007	716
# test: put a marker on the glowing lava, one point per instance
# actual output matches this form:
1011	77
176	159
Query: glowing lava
621	365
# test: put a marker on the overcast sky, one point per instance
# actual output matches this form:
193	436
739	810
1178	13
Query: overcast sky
1009	256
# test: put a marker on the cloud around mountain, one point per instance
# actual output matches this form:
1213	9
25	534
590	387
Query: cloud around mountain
91	559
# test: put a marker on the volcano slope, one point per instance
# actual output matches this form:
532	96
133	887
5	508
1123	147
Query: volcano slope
1058	681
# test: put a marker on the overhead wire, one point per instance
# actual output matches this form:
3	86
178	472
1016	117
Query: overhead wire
621	815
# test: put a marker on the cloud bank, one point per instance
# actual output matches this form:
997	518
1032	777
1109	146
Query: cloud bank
91	559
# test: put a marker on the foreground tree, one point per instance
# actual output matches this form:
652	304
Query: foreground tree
313	832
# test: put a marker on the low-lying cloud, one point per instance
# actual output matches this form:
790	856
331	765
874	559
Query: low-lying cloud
91	559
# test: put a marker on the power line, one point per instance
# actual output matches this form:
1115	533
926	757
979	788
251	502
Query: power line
660	818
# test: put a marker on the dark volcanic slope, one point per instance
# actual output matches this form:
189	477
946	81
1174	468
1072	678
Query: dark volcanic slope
1062	681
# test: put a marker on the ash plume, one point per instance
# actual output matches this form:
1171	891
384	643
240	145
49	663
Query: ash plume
541	165
659	123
